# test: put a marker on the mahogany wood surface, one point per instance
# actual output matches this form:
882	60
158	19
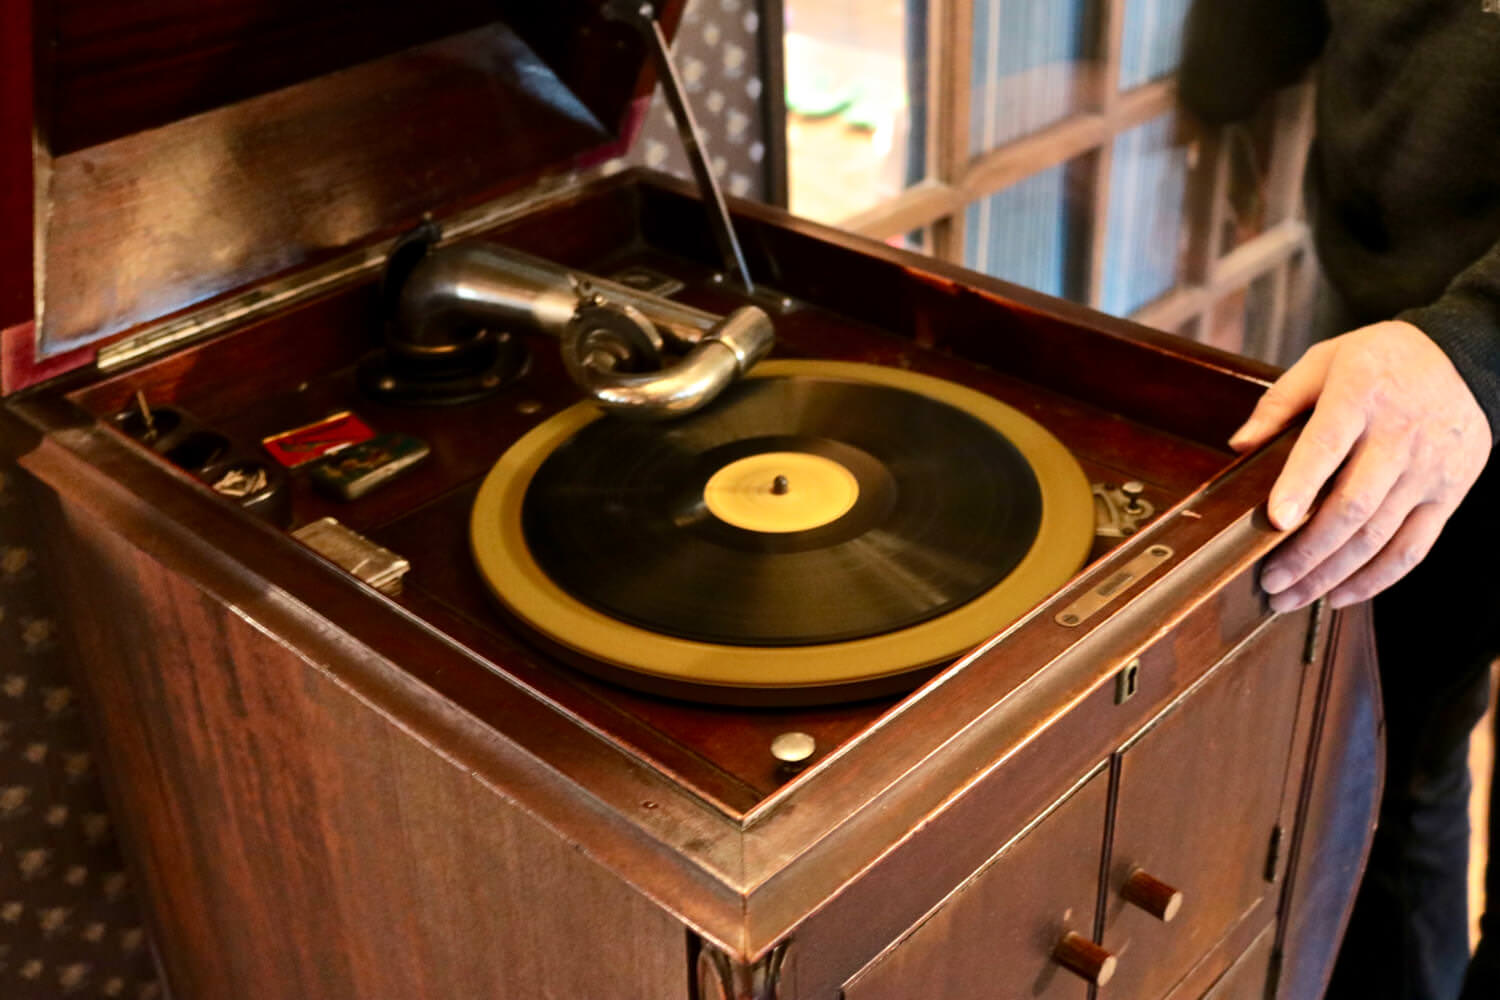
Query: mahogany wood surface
118	69
198	148
1001	800
1228	958
295	843
1248	978
295	369
290	178
663	811
1228	742
125	68
1008	918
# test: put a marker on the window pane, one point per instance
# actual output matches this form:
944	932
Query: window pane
1147	225
1032	65
1152	44
1035	232
856	81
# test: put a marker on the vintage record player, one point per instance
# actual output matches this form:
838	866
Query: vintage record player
488	579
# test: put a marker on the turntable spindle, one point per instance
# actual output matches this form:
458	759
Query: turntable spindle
779	486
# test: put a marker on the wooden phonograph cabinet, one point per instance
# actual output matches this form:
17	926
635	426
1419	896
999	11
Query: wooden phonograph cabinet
923	659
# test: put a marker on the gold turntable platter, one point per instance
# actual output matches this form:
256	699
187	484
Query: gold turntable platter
823	526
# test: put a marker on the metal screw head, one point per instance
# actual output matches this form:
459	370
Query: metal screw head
793	750
387	383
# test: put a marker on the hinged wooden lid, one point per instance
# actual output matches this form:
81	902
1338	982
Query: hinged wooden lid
156	156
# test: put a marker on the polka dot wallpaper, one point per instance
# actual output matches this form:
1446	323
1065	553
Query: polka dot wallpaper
718	55
69	924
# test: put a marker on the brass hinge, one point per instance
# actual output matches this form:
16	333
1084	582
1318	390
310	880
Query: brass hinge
1273	853
1315	631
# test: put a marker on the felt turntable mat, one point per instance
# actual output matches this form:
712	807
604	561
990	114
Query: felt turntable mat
822	523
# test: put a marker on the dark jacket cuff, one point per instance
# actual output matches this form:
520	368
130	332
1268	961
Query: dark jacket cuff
1466	325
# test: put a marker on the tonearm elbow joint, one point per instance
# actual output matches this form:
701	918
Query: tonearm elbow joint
457	308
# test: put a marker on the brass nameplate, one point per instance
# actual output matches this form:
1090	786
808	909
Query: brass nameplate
1118	582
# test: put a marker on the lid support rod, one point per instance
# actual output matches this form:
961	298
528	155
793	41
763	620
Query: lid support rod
643	17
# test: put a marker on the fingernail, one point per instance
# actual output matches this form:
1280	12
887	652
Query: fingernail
1284	514
1241	436
1274	581
1282	603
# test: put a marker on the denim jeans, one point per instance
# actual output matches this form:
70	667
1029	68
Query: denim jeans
1437	632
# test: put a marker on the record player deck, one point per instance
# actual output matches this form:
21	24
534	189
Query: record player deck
920	658
939	510
639	551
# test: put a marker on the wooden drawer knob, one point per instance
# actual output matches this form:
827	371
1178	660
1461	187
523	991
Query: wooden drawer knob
1152	895
1079	955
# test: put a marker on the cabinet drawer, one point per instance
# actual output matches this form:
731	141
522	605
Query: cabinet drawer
1247	978
1199	800
994	936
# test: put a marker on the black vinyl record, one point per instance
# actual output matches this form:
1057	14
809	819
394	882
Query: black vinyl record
945	507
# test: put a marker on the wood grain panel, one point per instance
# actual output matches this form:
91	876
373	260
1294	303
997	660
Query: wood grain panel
122	68
996	805
126	67
295	842
1247	978
994	936
150	224
1199	796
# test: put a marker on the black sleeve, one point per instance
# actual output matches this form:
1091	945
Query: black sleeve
1465	323
1236	53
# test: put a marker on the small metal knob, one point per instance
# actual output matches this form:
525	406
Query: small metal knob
793	750
1152	895
1133	491
1084	958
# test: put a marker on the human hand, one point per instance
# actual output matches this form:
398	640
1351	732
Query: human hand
1402	438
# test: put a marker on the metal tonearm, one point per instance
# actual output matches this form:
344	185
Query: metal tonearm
614	338
456	307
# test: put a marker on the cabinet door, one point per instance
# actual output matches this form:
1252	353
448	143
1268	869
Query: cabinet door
1198	804
1246	978
994	936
